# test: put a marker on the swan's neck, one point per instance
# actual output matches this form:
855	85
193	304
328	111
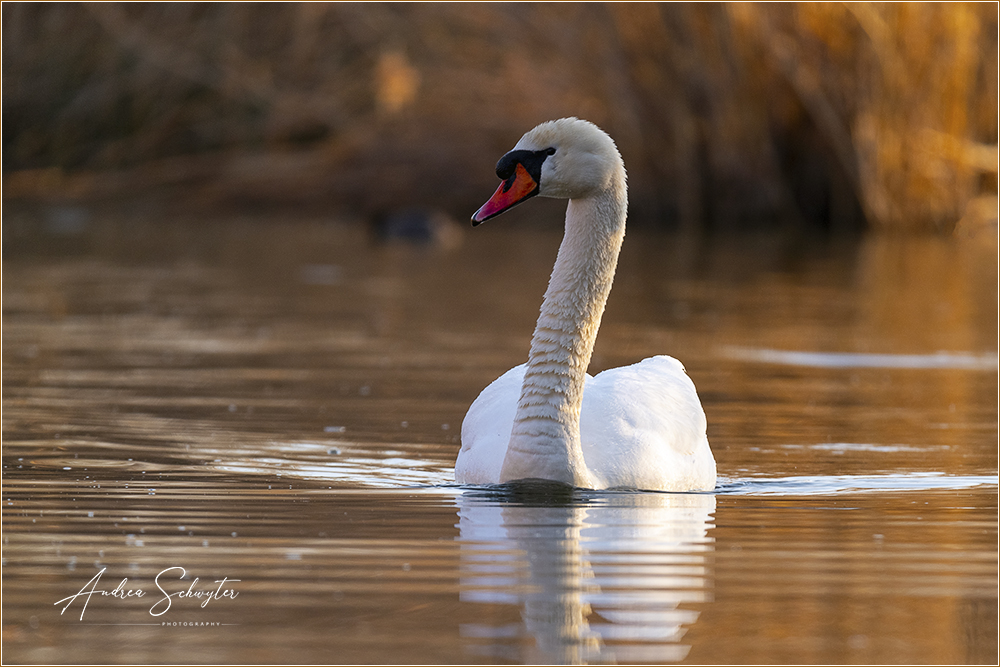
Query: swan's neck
545	439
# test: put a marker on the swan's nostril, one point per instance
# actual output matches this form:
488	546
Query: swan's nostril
508	182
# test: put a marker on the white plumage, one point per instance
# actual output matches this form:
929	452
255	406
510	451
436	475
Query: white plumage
639	426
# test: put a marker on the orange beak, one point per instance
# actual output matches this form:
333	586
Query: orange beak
514	190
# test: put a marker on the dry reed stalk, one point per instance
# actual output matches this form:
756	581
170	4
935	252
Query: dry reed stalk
729	115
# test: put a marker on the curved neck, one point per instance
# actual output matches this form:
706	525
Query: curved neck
545	440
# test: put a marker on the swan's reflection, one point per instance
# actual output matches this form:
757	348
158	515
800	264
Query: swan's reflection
599	577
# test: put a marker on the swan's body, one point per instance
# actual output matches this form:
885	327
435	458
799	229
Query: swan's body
640	426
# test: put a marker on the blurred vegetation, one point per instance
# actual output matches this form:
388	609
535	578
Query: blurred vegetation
833	116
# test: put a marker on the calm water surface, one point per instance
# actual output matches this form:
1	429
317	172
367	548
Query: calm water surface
253	424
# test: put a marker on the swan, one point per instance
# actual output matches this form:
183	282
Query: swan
636	427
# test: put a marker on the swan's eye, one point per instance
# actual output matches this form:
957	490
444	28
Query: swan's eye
550	151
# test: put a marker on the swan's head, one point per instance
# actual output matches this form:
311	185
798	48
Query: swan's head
567	158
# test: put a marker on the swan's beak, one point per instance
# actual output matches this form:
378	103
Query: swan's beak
512	191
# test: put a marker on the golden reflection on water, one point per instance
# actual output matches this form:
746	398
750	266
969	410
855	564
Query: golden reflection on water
280	403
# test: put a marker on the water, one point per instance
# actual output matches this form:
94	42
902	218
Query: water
253	423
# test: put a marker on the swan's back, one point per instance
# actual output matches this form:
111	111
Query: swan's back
641	427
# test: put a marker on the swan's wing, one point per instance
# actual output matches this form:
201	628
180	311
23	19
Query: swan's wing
642	426
486	429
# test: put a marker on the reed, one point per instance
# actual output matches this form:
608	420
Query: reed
836	116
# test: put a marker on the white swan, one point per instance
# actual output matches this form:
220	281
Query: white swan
640	426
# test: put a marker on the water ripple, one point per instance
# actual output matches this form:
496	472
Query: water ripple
807	485
967	361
